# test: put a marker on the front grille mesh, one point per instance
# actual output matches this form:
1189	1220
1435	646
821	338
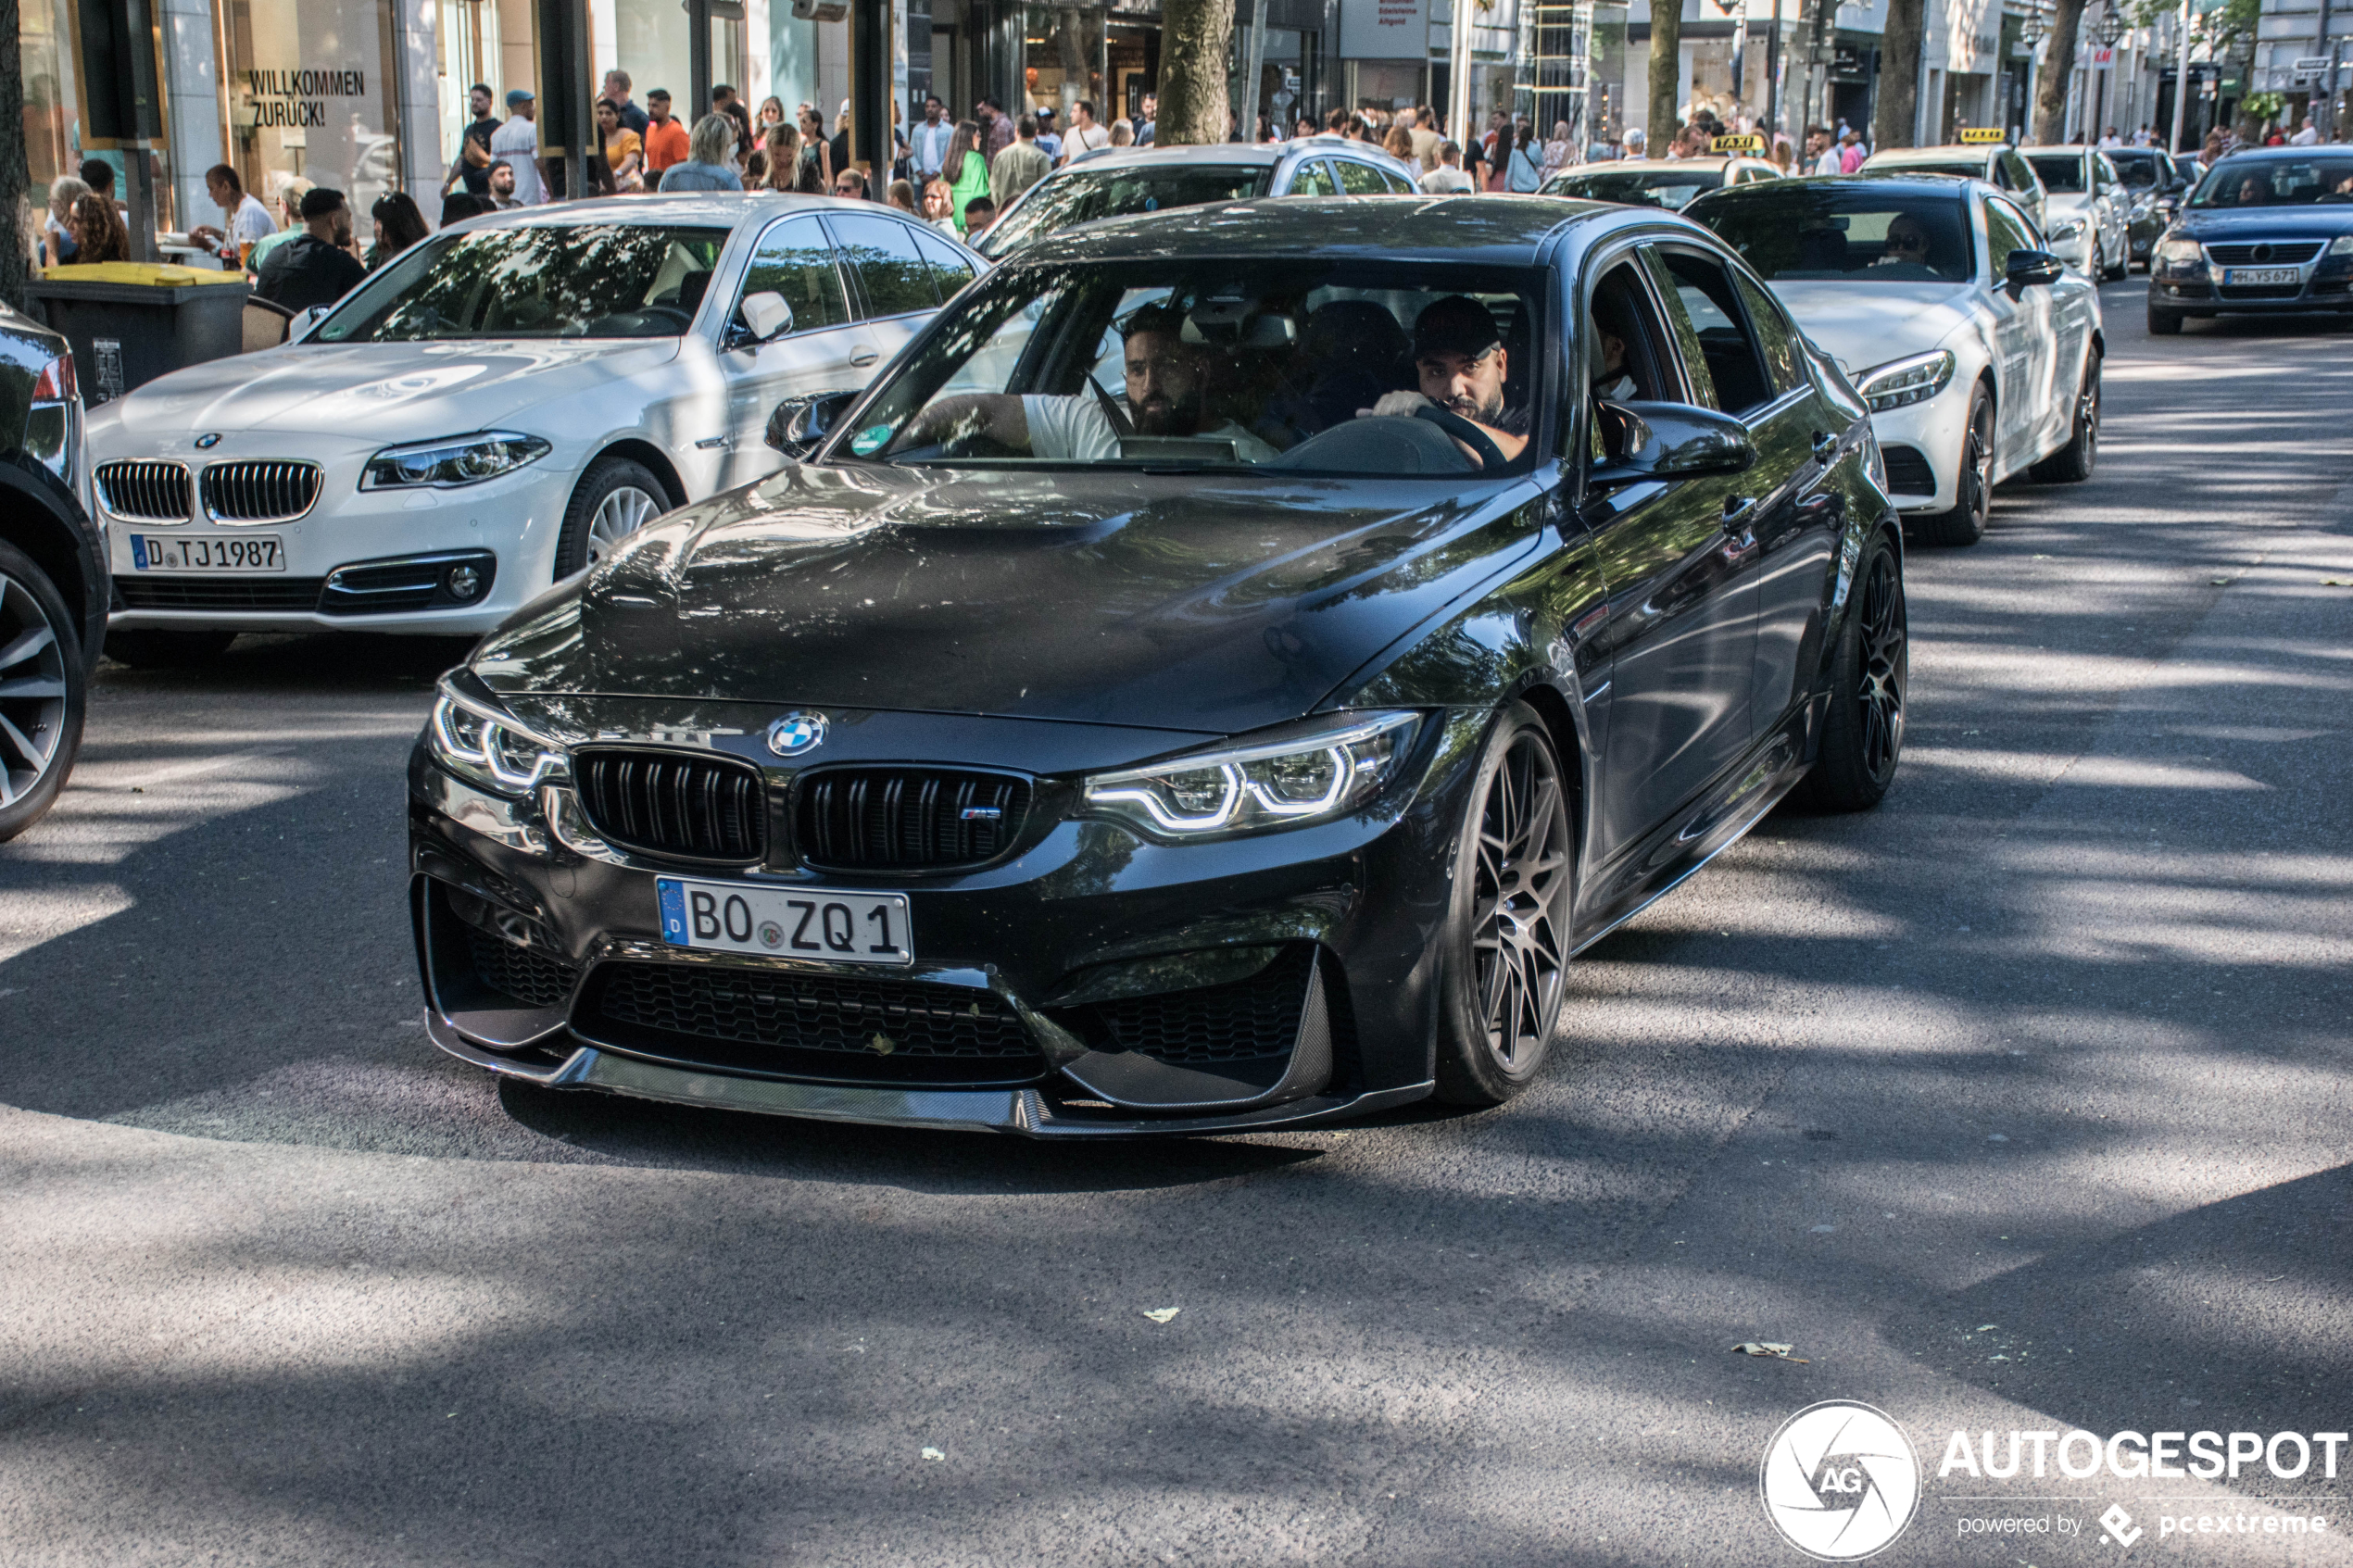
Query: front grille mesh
907	819
1258	1017
259	492
874	1019
2284	253
1907	472
703	807
530	976
141	592
143	492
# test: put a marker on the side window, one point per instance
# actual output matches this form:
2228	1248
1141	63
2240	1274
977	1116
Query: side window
1398	183
1312	177
1627	359
794	258
1717	347
949	269
1361	179
892	273
2006	231
1774	334
2003	179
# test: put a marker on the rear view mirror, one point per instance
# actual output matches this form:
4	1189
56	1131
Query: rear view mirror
1668	441
799	424
767	313
2027	268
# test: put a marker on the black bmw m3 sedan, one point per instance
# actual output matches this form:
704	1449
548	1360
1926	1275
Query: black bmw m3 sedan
1216	677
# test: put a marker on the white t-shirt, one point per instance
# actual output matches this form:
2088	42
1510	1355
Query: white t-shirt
1829	162
1446	180
517	141
2304	138
251	221
1086	140
1077	429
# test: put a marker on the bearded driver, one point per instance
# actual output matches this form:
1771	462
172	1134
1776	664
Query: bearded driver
1460	358
1166	396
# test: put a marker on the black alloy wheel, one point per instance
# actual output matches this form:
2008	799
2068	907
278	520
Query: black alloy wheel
1508	932
1973	480
44	692
1863	734
2072	463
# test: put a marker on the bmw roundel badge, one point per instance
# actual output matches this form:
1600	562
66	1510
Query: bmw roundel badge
796	733
205	443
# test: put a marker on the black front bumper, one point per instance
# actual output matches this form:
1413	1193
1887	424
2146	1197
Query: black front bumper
1090	984
2328	293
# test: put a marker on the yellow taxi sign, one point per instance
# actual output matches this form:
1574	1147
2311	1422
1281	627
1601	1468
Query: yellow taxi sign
1982	136
1755	145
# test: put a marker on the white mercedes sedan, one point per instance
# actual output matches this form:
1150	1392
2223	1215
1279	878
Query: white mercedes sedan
1978	351
493	411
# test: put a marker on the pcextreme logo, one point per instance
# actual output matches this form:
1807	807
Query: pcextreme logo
1840	1481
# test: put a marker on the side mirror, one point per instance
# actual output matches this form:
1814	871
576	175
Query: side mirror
2027	267
299	328
801	424
767	314
1668	441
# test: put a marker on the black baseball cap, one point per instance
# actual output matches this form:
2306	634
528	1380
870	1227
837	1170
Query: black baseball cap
1457	324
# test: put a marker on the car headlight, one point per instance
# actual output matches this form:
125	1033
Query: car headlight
2341	245
483	744
461	459
1900	383
2179	252
1305	776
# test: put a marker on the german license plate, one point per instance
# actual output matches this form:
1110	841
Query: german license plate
839	927
2256	277
260	552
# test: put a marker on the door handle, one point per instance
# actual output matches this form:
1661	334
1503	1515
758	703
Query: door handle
1824	447
865	356
1738	509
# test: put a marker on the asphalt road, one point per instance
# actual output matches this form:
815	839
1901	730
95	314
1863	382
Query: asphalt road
2020	1104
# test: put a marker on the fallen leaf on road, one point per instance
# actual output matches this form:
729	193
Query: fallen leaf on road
2336	582
1161	1314
934	1454
2219	582
1770	1349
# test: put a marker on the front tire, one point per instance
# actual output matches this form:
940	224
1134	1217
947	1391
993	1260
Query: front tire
2072	463
614	498
2164	323
1507	937
1862	733
1973	484
45	692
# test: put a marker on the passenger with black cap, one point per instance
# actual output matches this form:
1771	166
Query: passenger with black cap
1464	369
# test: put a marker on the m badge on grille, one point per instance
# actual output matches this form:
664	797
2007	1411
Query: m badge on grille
796	733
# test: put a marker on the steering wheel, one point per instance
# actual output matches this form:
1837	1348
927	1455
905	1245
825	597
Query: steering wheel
1491	456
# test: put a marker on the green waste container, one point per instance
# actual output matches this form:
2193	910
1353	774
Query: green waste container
131	321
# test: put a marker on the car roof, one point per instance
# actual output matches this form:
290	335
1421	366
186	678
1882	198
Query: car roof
1878	185
2076	149
1492	230
1940	154
1665	165
2282	155
717	208
1254	155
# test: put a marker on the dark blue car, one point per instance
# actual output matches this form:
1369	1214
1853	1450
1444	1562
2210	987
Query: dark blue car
2269	231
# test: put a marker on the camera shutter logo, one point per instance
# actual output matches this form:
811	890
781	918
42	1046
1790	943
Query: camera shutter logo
1840	1481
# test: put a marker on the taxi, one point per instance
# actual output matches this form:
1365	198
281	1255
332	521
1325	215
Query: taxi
1672	183
1985	152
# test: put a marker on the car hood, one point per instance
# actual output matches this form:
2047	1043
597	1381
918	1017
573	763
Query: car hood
2224	222
1184	602
392	391
1861	326
2067	204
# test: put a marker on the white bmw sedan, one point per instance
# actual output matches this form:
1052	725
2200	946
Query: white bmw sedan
492	411
1977	350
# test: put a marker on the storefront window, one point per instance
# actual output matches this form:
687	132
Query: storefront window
53	111
309	97
1065	59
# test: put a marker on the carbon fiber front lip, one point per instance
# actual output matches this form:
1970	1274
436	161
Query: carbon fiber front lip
1019	1111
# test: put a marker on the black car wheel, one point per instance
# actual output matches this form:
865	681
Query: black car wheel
614	499
167	650
43	692
1507	933
1973	484
1862	733
2072	464
2164	323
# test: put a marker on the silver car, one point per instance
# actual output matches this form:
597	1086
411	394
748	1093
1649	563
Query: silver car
1116	185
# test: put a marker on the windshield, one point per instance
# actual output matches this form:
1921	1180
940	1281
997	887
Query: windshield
2062	172
1857	233
2276	182
2141	170
1082	195
1668	187
589	279
1328	367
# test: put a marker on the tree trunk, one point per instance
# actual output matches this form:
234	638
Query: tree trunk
2050	108
1196	36
14	257
1666	73
1896	115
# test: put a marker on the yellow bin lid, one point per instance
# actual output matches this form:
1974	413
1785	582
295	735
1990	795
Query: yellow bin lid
149	274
